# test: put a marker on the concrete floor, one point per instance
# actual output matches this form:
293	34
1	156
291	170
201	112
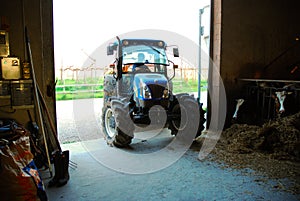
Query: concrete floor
185	179
143	172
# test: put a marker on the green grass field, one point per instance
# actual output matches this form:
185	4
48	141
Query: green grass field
82	92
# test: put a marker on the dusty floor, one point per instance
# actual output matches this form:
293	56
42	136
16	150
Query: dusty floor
215	178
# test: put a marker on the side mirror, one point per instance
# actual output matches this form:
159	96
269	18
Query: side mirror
110	50
175	52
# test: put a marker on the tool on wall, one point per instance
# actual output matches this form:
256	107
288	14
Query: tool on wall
38	152
61	158
37	101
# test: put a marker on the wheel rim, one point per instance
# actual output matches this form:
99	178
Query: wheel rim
110	124
181	120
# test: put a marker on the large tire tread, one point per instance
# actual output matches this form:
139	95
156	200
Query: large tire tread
190	104
125	126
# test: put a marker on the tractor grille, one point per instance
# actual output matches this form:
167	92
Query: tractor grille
156	90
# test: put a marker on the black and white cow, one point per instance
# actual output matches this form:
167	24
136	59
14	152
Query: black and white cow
245	111
286	102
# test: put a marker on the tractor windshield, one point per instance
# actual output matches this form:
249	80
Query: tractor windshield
146	54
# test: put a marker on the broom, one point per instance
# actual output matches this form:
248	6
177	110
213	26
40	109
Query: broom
60	158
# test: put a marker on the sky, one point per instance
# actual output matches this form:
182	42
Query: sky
82	26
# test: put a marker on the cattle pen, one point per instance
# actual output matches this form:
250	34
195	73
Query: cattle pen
271	98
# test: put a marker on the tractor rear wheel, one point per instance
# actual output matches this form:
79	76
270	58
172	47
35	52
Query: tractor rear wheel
187	113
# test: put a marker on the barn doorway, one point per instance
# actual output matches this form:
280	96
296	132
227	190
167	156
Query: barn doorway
78	71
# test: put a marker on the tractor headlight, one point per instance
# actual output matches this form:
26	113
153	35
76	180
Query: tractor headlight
146	92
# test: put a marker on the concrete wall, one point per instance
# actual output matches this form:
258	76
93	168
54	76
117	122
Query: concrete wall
37	16
253	34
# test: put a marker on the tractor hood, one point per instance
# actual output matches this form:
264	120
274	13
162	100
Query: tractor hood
149	79
149	86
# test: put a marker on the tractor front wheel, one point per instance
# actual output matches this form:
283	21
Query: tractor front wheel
117	127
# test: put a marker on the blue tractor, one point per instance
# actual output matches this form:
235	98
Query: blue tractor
138	91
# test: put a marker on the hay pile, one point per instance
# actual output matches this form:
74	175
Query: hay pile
272	149
280	139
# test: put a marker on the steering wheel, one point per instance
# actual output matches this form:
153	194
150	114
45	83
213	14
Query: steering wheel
142	69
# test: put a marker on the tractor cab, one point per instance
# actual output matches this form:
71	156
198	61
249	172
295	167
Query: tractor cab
140	55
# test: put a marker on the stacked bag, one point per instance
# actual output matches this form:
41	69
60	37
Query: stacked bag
20	179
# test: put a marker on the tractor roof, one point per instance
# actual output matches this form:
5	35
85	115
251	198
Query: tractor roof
150	42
